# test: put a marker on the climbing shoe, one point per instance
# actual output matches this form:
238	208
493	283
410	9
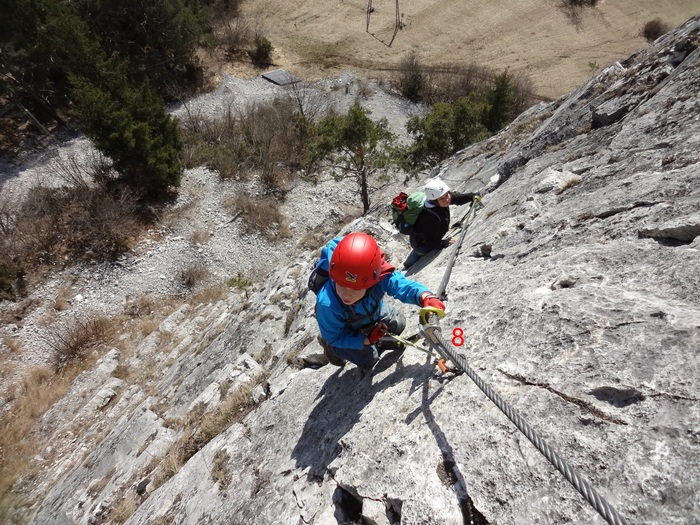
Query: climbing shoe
328	352
389	343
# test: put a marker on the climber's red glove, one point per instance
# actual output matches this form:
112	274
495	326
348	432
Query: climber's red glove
432	300
379	330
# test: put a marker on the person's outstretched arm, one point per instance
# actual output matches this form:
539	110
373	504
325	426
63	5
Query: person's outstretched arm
462	198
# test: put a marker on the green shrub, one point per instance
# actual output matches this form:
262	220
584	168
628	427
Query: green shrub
239	282
130	126
501	103
411	78
158	40
653	29
446	128
262	51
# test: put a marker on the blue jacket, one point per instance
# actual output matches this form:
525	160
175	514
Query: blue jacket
340	323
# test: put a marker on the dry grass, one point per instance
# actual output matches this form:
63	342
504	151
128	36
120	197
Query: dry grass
568	183
292	357
264	355
121	372
12	344
70	345
290	317
150	309
124	508
220	471
210	295
200	236
98	485
39	389
192	275
260	216
61	300
201	427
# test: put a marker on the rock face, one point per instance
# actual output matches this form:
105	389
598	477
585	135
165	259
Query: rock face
577	291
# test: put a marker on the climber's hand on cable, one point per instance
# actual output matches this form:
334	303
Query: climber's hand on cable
433	301
379	331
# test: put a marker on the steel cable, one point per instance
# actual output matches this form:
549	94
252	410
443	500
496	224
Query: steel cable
440	346
580	484
466	221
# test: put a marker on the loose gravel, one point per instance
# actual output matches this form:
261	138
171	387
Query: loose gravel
199	231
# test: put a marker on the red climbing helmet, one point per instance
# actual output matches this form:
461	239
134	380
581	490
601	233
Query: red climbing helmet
356	262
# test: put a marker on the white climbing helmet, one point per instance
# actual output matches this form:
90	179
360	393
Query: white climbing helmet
435	189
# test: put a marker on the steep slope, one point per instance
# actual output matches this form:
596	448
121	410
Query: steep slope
577	291
558	44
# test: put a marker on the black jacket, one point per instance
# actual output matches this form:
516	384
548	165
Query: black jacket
432	223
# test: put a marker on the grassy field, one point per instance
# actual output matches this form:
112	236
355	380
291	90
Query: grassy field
557	45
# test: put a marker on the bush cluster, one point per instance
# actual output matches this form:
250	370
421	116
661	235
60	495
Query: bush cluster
466	105
266	138
55	227
260	215
655	28
261	55
432	84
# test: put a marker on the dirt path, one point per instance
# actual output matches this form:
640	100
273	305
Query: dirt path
556	48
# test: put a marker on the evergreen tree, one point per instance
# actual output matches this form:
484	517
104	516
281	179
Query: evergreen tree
467	127
354	145
158	39
27	72
44	42
130	125
444	130
501	103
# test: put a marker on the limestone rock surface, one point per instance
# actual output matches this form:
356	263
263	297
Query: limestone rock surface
577	292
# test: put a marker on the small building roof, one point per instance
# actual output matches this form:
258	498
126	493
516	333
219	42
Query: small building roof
281	77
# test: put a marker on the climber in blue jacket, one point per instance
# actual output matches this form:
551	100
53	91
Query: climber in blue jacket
351	314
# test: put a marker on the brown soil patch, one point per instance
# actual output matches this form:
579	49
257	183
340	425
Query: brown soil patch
558	51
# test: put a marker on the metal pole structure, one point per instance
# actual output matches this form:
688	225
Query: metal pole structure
369	12
455	251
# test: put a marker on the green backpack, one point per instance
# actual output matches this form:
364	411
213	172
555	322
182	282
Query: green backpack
405	209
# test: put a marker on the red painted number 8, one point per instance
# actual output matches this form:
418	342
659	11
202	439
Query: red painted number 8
457	337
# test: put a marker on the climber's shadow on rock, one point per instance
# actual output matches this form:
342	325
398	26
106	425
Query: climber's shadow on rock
448	469
342	399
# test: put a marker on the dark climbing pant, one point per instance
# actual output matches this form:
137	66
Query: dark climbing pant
367	356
